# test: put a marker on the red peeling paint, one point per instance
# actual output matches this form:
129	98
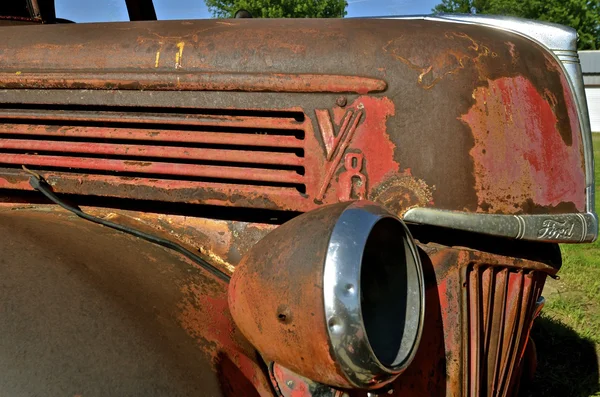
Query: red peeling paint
374	141
519	153
371	140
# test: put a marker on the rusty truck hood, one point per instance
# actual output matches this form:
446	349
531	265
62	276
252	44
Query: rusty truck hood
408	113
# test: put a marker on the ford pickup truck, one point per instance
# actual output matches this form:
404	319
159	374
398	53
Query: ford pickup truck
310	207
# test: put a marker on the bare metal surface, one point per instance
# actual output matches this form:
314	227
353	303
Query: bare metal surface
575	75
551	35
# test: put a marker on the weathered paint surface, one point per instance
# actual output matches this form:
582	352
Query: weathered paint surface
282	272
195	82
176	293
251	113
519	153
152	321
480	309
501	306
374	142
361	153
204	315
461	50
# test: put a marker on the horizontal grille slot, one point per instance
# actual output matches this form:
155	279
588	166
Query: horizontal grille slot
250	124
155	168
239	147
145	188
140	151
284	114
153	135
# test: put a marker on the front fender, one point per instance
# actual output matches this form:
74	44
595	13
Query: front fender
86	310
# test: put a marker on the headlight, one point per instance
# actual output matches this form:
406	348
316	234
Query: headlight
335	295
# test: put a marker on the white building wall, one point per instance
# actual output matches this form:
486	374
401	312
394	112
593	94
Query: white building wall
593	101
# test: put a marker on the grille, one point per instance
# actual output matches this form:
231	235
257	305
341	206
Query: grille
501	305
234	147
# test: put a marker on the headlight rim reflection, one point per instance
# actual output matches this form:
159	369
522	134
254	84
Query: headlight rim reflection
342	290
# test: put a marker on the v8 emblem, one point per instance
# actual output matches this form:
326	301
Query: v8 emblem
336	144
353	183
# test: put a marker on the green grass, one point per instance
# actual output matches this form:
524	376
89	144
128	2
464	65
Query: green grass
567	335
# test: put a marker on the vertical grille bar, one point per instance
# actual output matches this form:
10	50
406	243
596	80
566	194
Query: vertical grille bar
501	304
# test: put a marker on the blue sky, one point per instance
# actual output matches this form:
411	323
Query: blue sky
114	10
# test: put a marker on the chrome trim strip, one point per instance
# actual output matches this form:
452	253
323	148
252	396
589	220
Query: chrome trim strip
342	297
522	226
573	70
557	228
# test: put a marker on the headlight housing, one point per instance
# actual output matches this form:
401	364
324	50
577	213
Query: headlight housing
335	295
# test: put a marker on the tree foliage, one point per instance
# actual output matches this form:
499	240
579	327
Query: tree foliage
582	15
279	8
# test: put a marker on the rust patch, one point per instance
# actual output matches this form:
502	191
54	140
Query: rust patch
514	55
461	50
401	193
138	163
276	297
519	153
209	81
204	315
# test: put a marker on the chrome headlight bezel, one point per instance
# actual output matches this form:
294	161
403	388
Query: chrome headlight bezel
344	284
